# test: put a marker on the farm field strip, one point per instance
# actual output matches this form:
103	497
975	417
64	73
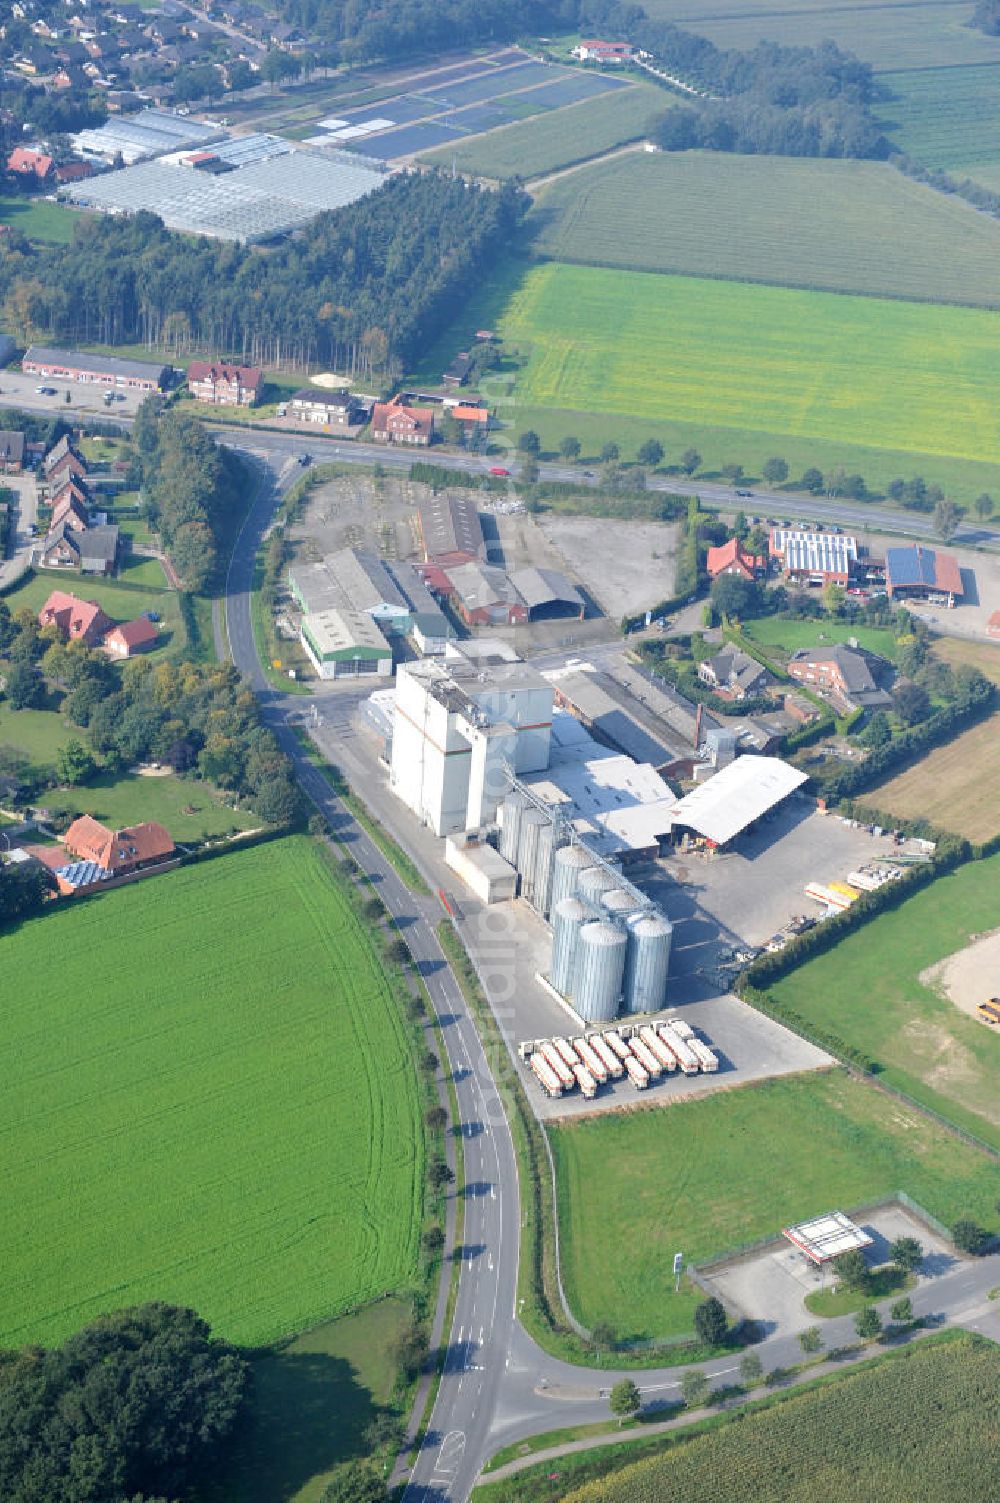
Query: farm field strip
867	990
684	13
892	375
695	1177
945	117
226	1105
846	226
953	786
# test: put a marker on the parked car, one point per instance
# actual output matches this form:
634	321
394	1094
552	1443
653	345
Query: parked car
498	469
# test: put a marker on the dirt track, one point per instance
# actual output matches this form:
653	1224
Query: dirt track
970	976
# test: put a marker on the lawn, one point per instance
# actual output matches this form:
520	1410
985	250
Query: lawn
915	1427
867	991
37	219
844	226
708	1175
945	118
214	1104
115	598
36	734
773	631
558	138
190	810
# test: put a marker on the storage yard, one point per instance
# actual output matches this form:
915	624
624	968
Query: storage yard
639	1054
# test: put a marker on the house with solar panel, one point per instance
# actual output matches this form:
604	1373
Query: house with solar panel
921	573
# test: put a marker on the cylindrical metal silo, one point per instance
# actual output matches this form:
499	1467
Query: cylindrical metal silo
592	884
597	976
544	858
568	918
570	861
532	821
618	902
647	963
510	826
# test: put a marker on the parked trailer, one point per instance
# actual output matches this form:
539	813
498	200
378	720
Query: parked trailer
586	1081
567	1052
647	1058
658	1048
683	1030
615	1041
546	1076
707	1058
556	1062
686	1057
591	1060
609	1059
636	1073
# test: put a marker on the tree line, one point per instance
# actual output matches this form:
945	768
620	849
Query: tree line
361	290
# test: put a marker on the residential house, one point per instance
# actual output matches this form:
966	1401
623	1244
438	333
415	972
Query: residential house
993	625
29	163
594	51
395	423
11	451
119	852
733	558
328	409
735	674
458	371
223	385
94	550
130	637
850	677
79	620
69	508
58	453
463	412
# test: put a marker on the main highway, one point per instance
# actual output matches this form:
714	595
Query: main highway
497	1385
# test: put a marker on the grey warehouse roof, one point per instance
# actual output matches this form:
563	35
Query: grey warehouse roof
545	587
450	524
349	580
78	360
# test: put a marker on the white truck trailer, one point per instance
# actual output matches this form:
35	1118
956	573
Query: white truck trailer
609	1059
657	1047
545	1075
556	1062
592	1060
683	1030
636	1073
647	1058
615	1041
686	1057
586	1081
566	1052
707	1058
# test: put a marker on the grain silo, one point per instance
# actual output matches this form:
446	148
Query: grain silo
532	823
568	918
619	903
541	881
647	963
570	862
597	976
592	884
510	824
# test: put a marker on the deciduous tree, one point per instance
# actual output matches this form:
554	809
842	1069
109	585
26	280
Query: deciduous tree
625	1400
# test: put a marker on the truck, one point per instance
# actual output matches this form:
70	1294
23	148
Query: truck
658	1048
636	1073
586	1081
566	1052
647	1058
707	1058
615	1041
609	1059
683	1030
545	1075
686	1057
591	1060
555	1062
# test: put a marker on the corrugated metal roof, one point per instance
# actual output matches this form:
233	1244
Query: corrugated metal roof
741	793
545	587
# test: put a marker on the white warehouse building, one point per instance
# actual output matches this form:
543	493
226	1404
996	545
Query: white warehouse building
455	726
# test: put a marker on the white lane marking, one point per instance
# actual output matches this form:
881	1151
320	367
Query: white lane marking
451	1452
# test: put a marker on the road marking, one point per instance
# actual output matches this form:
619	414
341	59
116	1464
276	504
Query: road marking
451	1452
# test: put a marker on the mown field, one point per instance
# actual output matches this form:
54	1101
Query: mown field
912	1428
955	786
696	1177
788	365
37	219
945	117
549	141
210	1100
839	226
868	991
772	631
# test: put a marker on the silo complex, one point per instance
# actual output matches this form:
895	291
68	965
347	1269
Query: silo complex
600	967
568	918
647	963
618	903
532	821
570	861
542	877
593	884
513	809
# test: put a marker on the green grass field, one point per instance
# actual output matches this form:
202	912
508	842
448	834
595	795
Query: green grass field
213	1104
120	604
37	219
544	143
913	1427
867	990
36	734
947	118
696	1176
190	810
839	226
772	631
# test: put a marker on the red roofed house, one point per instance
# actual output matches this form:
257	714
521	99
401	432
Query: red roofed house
394	423
130	637
465	414
732	558
28	163
225	385
604	52
70	509
118	851
74	172
81	620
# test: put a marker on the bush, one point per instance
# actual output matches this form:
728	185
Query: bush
969	1237
711	1322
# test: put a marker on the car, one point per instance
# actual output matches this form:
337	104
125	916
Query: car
744	493
498	469
588	474
46	391
305	459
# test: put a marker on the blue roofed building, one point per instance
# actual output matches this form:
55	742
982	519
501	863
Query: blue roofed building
917	572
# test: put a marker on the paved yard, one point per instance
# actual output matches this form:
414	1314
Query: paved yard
625	566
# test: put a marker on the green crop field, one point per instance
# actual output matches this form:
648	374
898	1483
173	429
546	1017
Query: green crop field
37	219
868	991
915	1427
558	138
945	117
743	370
211	1101
694	1176
775	632
839	226
890	36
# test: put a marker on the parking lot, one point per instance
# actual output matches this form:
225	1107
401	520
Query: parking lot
19	390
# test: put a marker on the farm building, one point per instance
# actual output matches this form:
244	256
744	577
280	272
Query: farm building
11	451
429	626
993	625
351	580
221	385
733	558
450	530
345	644
484	595
851	677
97	370
548	594
150	133
458	371
594	51
815	557
621	720
735	798
918	573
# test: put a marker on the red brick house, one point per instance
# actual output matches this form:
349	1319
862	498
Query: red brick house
224	385
130	637
57	457
70	509
28	163
117	852
80	620
732	558
395	423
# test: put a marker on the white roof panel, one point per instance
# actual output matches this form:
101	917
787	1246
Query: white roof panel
736	796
